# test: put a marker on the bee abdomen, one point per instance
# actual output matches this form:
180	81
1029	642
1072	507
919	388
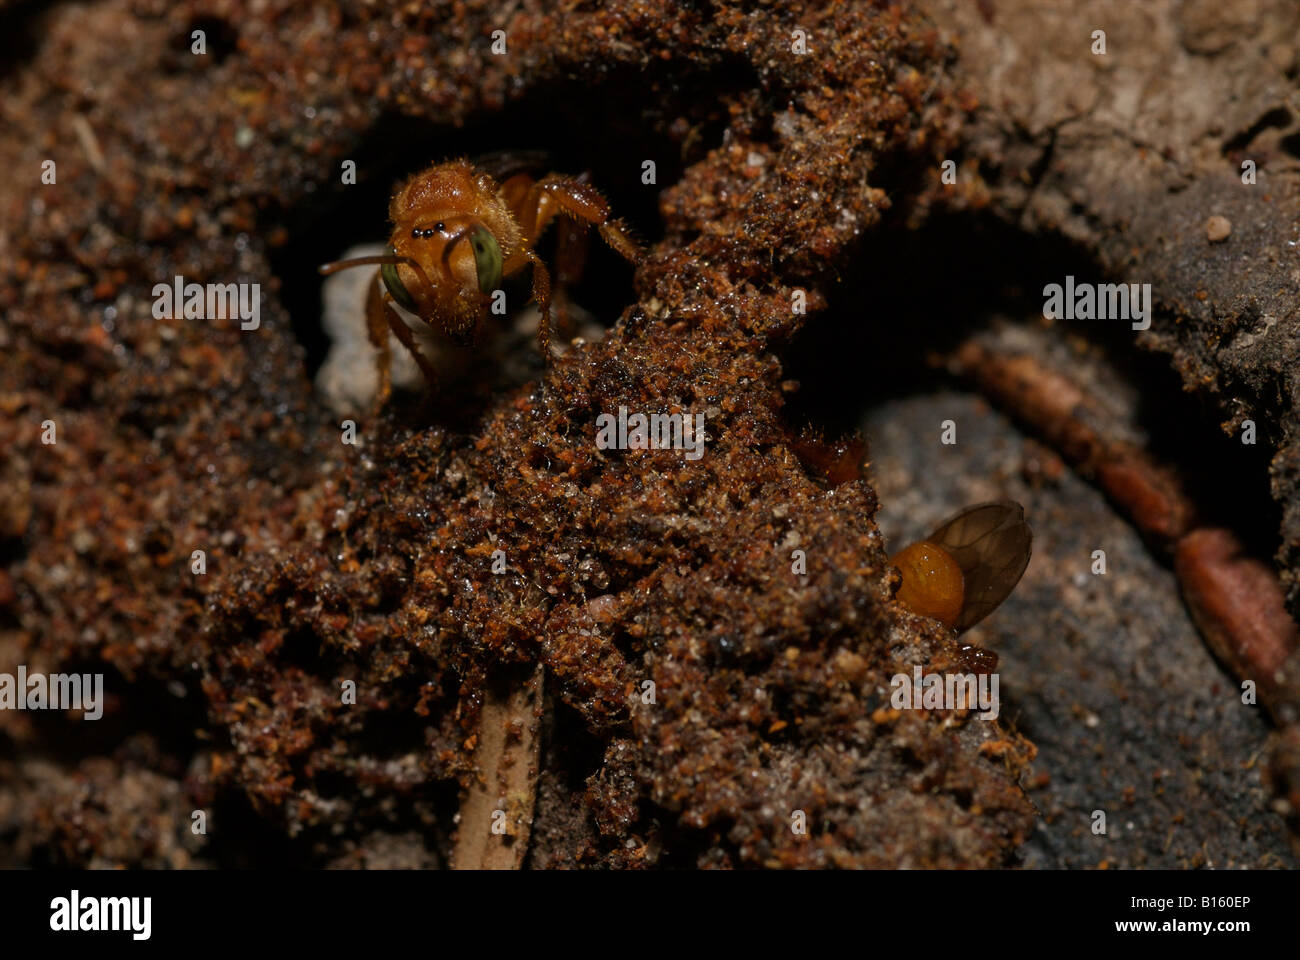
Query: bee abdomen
933	585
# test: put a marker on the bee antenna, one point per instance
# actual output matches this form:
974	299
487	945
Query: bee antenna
378	260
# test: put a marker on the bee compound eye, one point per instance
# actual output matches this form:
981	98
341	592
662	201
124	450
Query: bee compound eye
487	259
395	287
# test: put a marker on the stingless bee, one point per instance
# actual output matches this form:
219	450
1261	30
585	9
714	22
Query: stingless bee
458	229
960	573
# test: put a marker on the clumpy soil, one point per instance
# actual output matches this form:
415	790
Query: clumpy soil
776	173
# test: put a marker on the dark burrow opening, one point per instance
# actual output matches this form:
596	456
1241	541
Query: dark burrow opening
22	25
920	294
555	118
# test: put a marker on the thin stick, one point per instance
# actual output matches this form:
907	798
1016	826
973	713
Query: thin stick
503	796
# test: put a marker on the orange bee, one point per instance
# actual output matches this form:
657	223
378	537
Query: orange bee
970	564
457	231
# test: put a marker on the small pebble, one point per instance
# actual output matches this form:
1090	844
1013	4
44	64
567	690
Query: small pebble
1217	229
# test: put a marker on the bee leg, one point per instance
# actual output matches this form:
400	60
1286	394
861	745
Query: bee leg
542	294
407	339
585	204
377	312
615	233
570	259
535	206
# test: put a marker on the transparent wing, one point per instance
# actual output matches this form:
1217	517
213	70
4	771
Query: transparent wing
991	543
